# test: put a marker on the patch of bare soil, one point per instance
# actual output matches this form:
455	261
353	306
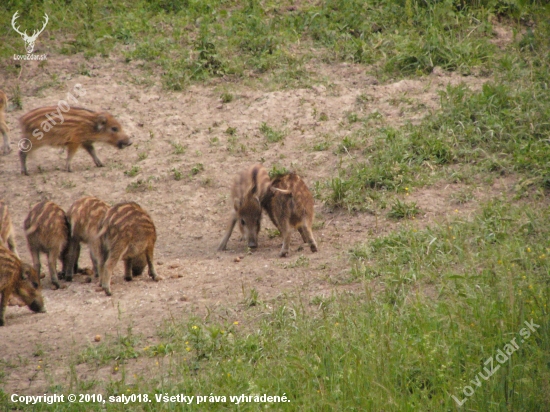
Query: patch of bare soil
191	213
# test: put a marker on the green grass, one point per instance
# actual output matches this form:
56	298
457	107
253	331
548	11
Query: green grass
500	130
197	40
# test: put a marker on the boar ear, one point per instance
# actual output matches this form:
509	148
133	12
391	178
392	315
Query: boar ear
251	190
100	123
25	270
284	192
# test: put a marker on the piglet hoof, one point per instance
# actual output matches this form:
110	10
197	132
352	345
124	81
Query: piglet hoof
283	253
108	291
128	278
54	286
6	151
313	248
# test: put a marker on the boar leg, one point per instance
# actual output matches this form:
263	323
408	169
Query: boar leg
303	234
95	248
71	150
36	261
7	148
11	245
90	149
53	255
105	274
228	232
152	271
72	259
128	269
5	297
307	236
285	233
95	264
23	160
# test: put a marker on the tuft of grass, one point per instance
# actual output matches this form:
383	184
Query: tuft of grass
463	196
348	144
272	135
178	148
403	210
195	170
134	170
322	146
277	170
177	174
139	185
227	97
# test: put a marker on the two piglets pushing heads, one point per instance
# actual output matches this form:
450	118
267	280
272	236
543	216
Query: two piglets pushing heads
286	199
47	231
127	232
19	279
73	128
85	217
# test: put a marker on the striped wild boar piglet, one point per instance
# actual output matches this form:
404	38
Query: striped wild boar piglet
20	280
7	237
3	125
85	217
289	203
127	232
70	128
47	231
249	188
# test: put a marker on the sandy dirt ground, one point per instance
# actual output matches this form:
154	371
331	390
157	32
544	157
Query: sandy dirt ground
191	213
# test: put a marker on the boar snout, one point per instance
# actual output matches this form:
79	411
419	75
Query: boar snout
37	306
252	244
124	143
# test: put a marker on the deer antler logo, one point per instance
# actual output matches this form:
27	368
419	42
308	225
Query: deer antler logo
29	40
